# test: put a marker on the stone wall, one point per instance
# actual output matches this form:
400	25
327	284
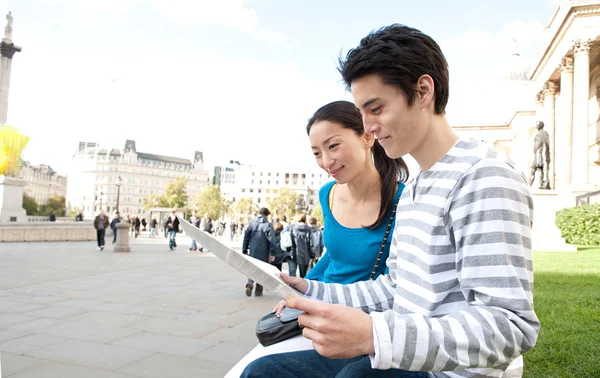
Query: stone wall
48	231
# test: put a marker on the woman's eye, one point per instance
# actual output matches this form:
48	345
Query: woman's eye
331	147
316	153
376	110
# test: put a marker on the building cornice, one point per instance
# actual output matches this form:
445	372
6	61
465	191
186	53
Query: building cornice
560	23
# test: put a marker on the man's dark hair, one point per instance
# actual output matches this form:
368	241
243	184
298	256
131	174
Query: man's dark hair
264	211
399	55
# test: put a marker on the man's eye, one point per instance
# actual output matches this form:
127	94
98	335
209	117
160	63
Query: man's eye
376	110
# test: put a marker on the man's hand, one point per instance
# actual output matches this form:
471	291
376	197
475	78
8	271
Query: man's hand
337	331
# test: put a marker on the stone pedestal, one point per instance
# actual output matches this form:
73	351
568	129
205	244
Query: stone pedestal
546	236
122	244
11	200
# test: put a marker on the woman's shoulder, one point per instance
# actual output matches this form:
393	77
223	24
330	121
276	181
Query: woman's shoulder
325	189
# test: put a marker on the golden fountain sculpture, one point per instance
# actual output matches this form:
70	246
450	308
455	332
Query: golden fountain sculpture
12	143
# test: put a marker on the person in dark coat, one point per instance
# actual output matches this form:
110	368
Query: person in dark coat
302	251
101	224
173	227
257	240
113	226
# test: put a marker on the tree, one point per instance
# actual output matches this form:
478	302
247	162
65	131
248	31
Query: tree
284	203
175	194
244	207
211	201
30	205
318	213
153	200
56	204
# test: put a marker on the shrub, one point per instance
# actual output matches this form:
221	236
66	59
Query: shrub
580	224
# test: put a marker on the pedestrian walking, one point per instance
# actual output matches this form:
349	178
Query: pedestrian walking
101	224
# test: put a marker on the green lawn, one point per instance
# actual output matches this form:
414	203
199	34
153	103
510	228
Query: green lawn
567	302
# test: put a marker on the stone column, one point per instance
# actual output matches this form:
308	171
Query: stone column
7	51
581	97
550	90
564	131
122	244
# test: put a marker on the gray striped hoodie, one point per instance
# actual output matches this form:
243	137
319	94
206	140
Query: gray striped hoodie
458	299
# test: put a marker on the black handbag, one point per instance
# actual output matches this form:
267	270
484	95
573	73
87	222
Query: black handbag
273	328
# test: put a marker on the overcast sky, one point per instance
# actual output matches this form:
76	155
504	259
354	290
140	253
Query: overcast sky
232	78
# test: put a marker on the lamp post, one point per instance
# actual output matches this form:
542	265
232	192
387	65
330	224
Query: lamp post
118	183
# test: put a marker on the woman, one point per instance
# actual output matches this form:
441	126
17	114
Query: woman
356	206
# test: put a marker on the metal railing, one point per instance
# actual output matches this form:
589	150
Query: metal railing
36	218
587	198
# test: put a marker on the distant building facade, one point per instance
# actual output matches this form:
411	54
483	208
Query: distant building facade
42	182
94	172
261	184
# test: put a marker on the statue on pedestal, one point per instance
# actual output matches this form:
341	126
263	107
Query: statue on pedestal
8	28
541	157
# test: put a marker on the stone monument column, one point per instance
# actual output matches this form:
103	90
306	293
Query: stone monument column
581	97
564	131
550	90
7	51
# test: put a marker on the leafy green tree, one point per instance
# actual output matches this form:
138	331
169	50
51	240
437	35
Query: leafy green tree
211	201
56	204
283	203
245	207
153	200
318	213
30	205
175	194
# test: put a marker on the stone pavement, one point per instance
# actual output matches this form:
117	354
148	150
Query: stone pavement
68	310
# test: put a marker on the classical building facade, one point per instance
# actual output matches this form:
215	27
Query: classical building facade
95	171
563	89
262	183
42	181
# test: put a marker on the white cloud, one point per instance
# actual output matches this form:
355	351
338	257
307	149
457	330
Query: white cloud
480	60
235	14
254	111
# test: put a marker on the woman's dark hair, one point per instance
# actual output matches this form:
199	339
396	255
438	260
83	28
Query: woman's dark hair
390	170
399	55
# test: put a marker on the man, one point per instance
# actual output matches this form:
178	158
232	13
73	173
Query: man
173	229
458	299
257	237
205	225
153	224
100	224
113	225
195	221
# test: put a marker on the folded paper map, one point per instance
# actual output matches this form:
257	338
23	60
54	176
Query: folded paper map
261	272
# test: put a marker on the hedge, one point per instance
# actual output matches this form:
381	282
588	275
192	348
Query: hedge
580	225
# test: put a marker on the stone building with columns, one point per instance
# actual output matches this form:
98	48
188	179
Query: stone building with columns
567	75
93	178
563	91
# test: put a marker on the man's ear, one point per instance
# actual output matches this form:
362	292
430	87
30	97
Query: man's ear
426	91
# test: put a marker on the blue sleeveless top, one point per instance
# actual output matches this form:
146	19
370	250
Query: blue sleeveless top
351	252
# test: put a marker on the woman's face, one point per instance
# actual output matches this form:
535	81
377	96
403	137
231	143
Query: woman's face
339	151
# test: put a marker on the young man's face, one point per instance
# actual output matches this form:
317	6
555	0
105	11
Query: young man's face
399	129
